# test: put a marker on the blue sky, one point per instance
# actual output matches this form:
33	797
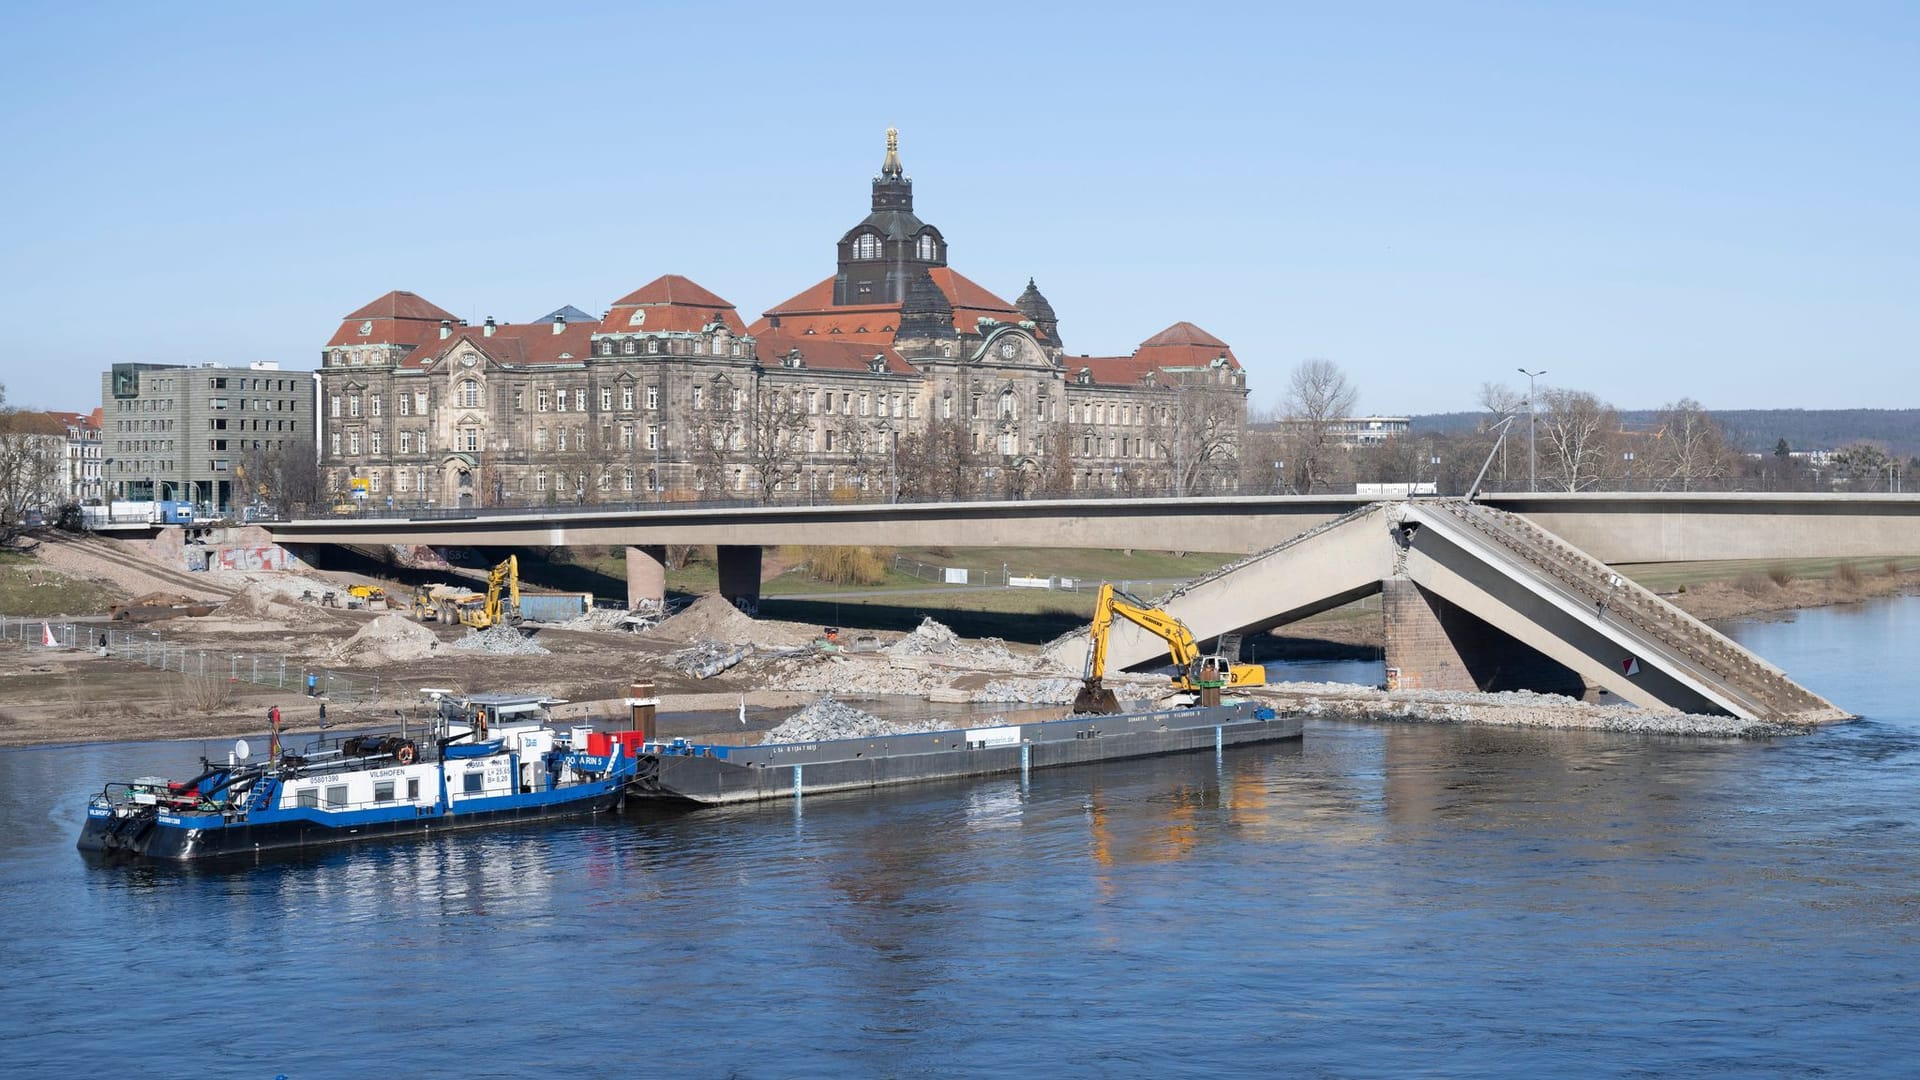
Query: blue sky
1650	201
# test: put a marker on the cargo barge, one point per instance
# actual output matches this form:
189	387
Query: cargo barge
712	774
483	760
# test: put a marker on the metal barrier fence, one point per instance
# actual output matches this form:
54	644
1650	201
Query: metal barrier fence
147	647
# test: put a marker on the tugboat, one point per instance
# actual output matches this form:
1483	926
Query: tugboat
484	759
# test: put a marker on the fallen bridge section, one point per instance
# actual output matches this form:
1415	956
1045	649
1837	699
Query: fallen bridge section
1479	599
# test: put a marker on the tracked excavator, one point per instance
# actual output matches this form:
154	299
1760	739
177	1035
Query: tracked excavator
481	612
1204	676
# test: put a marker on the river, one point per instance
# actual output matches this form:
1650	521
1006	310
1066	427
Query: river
1381	901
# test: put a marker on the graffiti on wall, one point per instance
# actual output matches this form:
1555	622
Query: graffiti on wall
254	557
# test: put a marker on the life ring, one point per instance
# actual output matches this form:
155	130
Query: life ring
404	753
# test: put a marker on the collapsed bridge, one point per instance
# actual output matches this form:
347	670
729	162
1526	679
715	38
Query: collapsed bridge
1476	598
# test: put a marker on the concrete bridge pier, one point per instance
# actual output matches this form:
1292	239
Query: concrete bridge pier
740	576
1433	644
646	574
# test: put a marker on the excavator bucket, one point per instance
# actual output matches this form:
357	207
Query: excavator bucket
1095	699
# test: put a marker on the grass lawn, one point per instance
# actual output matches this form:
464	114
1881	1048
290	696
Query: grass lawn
27	589
1667	577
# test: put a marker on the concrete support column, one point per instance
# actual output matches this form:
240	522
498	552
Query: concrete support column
646	574
1420	654
740	576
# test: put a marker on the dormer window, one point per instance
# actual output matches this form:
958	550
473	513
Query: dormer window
876	365
627	347
925	249
866	246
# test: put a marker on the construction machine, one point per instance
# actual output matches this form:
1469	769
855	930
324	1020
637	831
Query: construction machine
373	596
1194	673
481	612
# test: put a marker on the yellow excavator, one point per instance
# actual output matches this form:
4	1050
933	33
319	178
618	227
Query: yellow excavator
481	612
1205	675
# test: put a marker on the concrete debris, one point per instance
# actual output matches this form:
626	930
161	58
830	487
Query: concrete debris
930	638
1049	691
389	639
829	719
500	640
1518	709
705	659
935	640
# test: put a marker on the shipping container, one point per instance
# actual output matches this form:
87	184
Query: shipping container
554	607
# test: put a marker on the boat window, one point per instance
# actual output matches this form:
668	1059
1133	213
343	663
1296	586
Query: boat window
413	788
308	796
383	791
337	795
473	782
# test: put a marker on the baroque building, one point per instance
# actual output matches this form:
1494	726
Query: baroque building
895	376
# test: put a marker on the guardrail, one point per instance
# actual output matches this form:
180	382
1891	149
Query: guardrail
147	647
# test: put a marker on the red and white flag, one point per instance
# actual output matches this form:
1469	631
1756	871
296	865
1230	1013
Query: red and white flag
47	638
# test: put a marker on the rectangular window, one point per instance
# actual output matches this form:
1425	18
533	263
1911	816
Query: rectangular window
975	407
653	397
653	437
698	397
539	438
353	404
626	398
406	441
829	403
626	436
561	444
406	405
333	444
519	399
373	405
543	400
353	442
829	440
333	405
308	797
336	796
540	481
580	400
472	783
373	442
383	791
560	401
626	482
606	399
413	789
401	480
420	402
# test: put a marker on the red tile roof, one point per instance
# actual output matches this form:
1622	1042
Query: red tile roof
514	344
398	318
671	304
827	353
403	305
814	310
1182	345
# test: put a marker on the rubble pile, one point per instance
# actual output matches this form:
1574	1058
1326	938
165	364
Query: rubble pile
263	602
930	638
1523	709
935	640
705	659
711	618
389	639
1047	691
829	719
500	640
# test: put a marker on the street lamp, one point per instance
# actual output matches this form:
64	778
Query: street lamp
1533	483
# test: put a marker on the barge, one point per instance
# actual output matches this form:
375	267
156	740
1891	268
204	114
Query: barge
712	774
484	760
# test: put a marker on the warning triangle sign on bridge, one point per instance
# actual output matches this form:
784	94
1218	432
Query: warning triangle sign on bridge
1630	666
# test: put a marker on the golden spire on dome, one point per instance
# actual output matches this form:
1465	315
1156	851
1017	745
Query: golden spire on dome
892	165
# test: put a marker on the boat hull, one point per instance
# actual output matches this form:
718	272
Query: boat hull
718	775
192	837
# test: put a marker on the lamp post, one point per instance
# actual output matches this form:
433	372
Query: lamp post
1533	482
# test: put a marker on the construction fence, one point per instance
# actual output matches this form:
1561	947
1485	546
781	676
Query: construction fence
292	673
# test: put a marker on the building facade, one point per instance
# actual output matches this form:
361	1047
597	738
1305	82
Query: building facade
171	431
85	459
896	375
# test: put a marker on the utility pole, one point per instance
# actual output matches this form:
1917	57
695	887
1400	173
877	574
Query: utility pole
1533	482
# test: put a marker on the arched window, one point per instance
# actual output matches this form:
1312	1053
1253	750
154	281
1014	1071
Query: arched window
469	394
866	246
926	247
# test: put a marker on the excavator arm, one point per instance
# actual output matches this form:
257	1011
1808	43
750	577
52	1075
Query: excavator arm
1181	648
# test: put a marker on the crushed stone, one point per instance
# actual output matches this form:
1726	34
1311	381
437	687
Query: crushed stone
828	719
500	640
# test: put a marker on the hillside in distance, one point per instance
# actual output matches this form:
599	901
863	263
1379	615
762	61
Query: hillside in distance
1757	430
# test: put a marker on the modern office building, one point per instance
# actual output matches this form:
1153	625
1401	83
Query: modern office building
171	431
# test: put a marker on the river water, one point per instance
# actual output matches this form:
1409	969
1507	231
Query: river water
1382	901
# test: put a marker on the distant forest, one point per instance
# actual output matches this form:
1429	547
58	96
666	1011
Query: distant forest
1760	430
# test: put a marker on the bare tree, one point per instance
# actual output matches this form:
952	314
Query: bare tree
285	476
938	462
718	433
1690	448
1198	432
1318	396
776	427
33	461
1576	434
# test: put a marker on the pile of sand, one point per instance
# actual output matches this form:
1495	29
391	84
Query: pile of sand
389	639
712	618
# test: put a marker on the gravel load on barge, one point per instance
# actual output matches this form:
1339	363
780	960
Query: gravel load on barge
711	774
